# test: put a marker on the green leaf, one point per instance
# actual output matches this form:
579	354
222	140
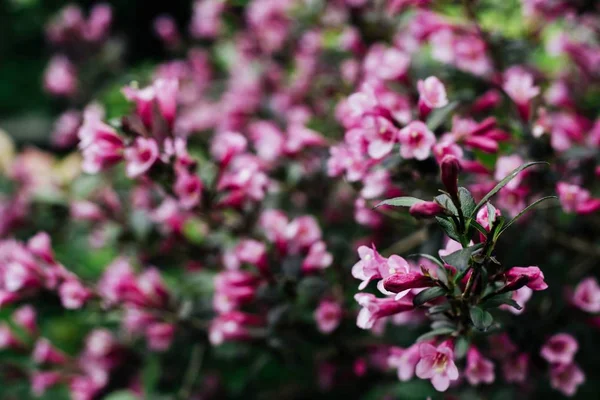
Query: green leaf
428	295
435	333
440	115
467	203
473	223
427	256
448	227
405	201
461	346
150	375
460	259
500	299
121	395
440	308
504	182
482	320
446	202
529	207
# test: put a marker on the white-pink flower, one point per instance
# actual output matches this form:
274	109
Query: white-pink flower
587	295
328	316
437	364
560	349
566	378
432	92
141	156
416	141
479	369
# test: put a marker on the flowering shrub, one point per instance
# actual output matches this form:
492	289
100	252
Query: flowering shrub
351	198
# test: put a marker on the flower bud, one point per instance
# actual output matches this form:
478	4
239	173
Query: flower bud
426	209
400	282
450	168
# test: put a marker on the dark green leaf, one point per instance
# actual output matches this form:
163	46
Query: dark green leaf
435	333
440	308
405	201
446	202
529	207
440	324
448	227
427	256
428	295
467	203
498	300
473	223
482	320
460	259
504	182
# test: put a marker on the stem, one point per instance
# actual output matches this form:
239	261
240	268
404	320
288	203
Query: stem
472	279
192	372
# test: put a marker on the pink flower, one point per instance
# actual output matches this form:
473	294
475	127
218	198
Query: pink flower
25	317
166	29
41	247
587	295
405	360
274	224
370	266
432	94
8	340
374	308
532	277
45	353
100	145
386	63
206	18
560	349
226	145
505	165
60	78
188	188
43	380
233	326
64	132
479	369
86	211
416	141
140	156
248	251
515	368
300	137
576	199
518	84
328	316
98	23
302	232
160	336
268	140
317	258
73	294
566	378
375	184
233	289
402	282
426	209
521	296
160	96
438	365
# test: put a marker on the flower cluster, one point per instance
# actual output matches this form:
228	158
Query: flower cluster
231	221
